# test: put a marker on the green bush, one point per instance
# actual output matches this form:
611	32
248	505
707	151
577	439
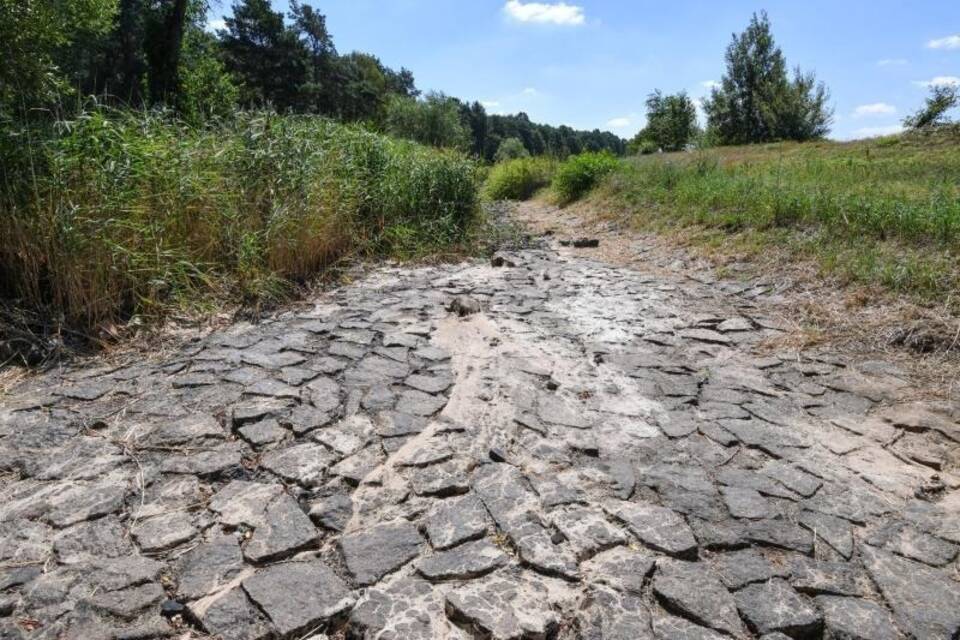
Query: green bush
116	214
510	149
579	174
519	179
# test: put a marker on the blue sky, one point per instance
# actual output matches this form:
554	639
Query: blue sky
591	63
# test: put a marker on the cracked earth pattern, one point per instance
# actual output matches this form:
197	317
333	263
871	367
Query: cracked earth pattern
586	452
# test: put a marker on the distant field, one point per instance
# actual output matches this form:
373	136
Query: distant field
884	211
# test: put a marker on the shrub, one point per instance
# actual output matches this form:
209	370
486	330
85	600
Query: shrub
510	149
116	214
579	174
519	179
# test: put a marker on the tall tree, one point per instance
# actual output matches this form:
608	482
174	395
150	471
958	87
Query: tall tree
267	57
756	100
941	100
671	121
318	90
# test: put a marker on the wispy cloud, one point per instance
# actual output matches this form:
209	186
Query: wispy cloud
873	132
618	123
875	109
939	81
490	104
216	25
559	13
710	84
892	62
529	91
949	42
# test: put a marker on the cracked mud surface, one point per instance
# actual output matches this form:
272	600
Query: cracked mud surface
597	453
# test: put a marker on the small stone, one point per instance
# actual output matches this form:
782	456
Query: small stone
332	512
208	567
467	561
504	609
832	578
614	615
298	596
230	614
775	607
692	590
263	433
128	603
429	384
374	552
836	532
164	532
746	503
740	568
455	521
924	601
666	627
658	527
620	568
856	619
463	306
418	403
305	463
587	529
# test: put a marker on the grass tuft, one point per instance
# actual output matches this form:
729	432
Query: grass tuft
579	174
519	179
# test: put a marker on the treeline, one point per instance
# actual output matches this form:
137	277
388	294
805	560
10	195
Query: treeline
157	53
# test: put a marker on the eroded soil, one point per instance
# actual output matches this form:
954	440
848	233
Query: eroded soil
597	452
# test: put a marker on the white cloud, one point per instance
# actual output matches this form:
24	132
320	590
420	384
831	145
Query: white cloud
949	42
873	132
875	109
545	13
891	62
529	91
710	84
618	123
216	25
940	81
490	104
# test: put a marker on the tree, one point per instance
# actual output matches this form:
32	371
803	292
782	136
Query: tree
756	100
942	98
433	120
318	91
268	58
671	121
511	149
32	32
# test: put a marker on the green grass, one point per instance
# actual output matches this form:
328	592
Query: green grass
519	179
884	211
118	214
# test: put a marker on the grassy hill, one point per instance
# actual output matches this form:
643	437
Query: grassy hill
882	211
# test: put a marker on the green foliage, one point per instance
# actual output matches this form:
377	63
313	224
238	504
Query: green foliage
896	202
31	33
433	120
519	179
207	90
671	123
941	100
121	213
579	174
756	100
511	149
